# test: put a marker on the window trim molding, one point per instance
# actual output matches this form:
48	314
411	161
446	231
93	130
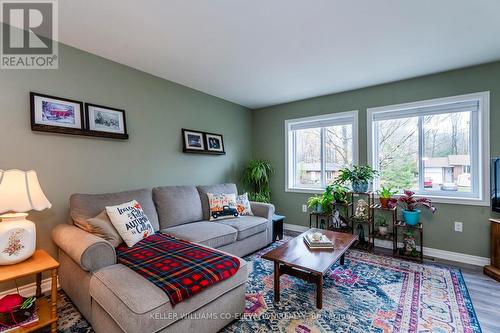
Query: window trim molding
338	115
483	144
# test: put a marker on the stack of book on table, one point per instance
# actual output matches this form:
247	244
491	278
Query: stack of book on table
323	243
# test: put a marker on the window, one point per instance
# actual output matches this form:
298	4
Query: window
437	148
317	147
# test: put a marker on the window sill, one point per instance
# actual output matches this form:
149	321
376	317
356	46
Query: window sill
456	201
304	190
451	200
434	199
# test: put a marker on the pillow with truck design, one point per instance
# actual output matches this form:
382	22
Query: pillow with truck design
222	206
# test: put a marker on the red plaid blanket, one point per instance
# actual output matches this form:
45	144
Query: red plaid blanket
179	267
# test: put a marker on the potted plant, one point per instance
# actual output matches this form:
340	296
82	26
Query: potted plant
256	177
382	226
359	176
385	194
315	203
411	215
336	193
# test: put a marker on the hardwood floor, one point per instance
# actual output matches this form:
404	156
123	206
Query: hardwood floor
483	290
485	294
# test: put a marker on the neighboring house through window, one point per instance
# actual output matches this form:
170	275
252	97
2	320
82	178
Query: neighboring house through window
317	147
438	148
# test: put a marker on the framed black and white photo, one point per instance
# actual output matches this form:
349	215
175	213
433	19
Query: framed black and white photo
56	114
193	141
105	121
215	143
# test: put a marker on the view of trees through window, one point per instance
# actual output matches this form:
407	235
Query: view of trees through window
445	152
315	166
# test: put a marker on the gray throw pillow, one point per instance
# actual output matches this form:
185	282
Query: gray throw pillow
99	226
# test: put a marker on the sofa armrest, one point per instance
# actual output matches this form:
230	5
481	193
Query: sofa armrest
264	210
89	251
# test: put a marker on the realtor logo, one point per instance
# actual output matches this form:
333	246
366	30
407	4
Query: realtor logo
29	34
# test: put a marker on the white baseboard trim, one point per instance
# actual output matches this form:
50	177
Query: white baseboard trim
30	289
294	227
429	252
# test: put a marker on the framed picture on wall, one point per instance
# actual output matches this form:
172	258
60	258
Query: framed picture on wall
56	114
215	143
193	141
104	121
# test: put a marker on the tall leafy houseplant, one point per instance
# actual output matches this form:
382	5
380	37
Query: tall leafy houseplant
359	177
256	179
411	214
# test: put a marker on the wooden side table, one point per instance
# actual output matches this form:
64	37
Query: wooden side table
493	270
39	262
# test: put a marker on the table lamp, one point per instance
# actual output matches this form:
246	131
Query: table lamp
20	192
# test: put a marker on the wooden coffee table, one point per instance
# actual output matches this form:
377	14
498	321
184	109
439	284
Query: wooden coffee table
296	259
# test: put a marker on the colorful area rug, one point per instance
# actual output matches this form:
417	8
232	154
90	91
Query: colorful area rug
370	293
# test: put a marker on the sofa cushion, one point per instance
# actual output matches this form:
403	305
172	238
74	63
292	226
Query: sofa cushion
130	221
214	189
246	225
89	205
212	234
177	205
132	301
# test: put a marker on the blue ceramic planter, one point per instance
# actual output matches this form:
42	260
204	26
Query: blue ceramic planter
411	217
360	187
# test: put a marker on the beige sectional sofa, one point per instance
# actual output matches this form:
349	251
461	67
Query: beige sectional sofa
113	298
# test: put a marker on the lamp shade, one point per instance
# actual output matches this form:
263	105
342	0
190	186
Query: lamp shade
20	192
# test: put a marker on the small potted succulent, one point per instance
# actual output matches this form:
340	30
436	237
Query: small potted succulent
411	215
359	176
382	226
385	194
315	203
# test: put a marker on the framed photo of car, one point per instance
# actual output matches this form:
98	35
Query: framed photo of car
104	121
193	141
56	114
215	143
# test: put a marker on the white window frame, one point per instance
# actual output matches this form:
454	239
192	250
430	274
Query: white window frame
348	117
481	139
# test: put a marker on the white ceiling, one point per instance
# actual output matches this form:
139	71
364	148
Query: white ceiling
263	52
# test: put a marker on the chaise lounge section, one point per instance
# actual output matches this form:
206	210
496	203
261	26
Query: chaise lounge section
114	298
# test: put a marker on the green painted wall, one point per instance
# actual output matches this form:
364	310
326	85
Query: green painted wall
269	143
156	111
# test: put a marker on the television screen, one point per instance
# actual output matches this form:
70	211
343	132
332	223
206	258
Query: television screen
495	184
